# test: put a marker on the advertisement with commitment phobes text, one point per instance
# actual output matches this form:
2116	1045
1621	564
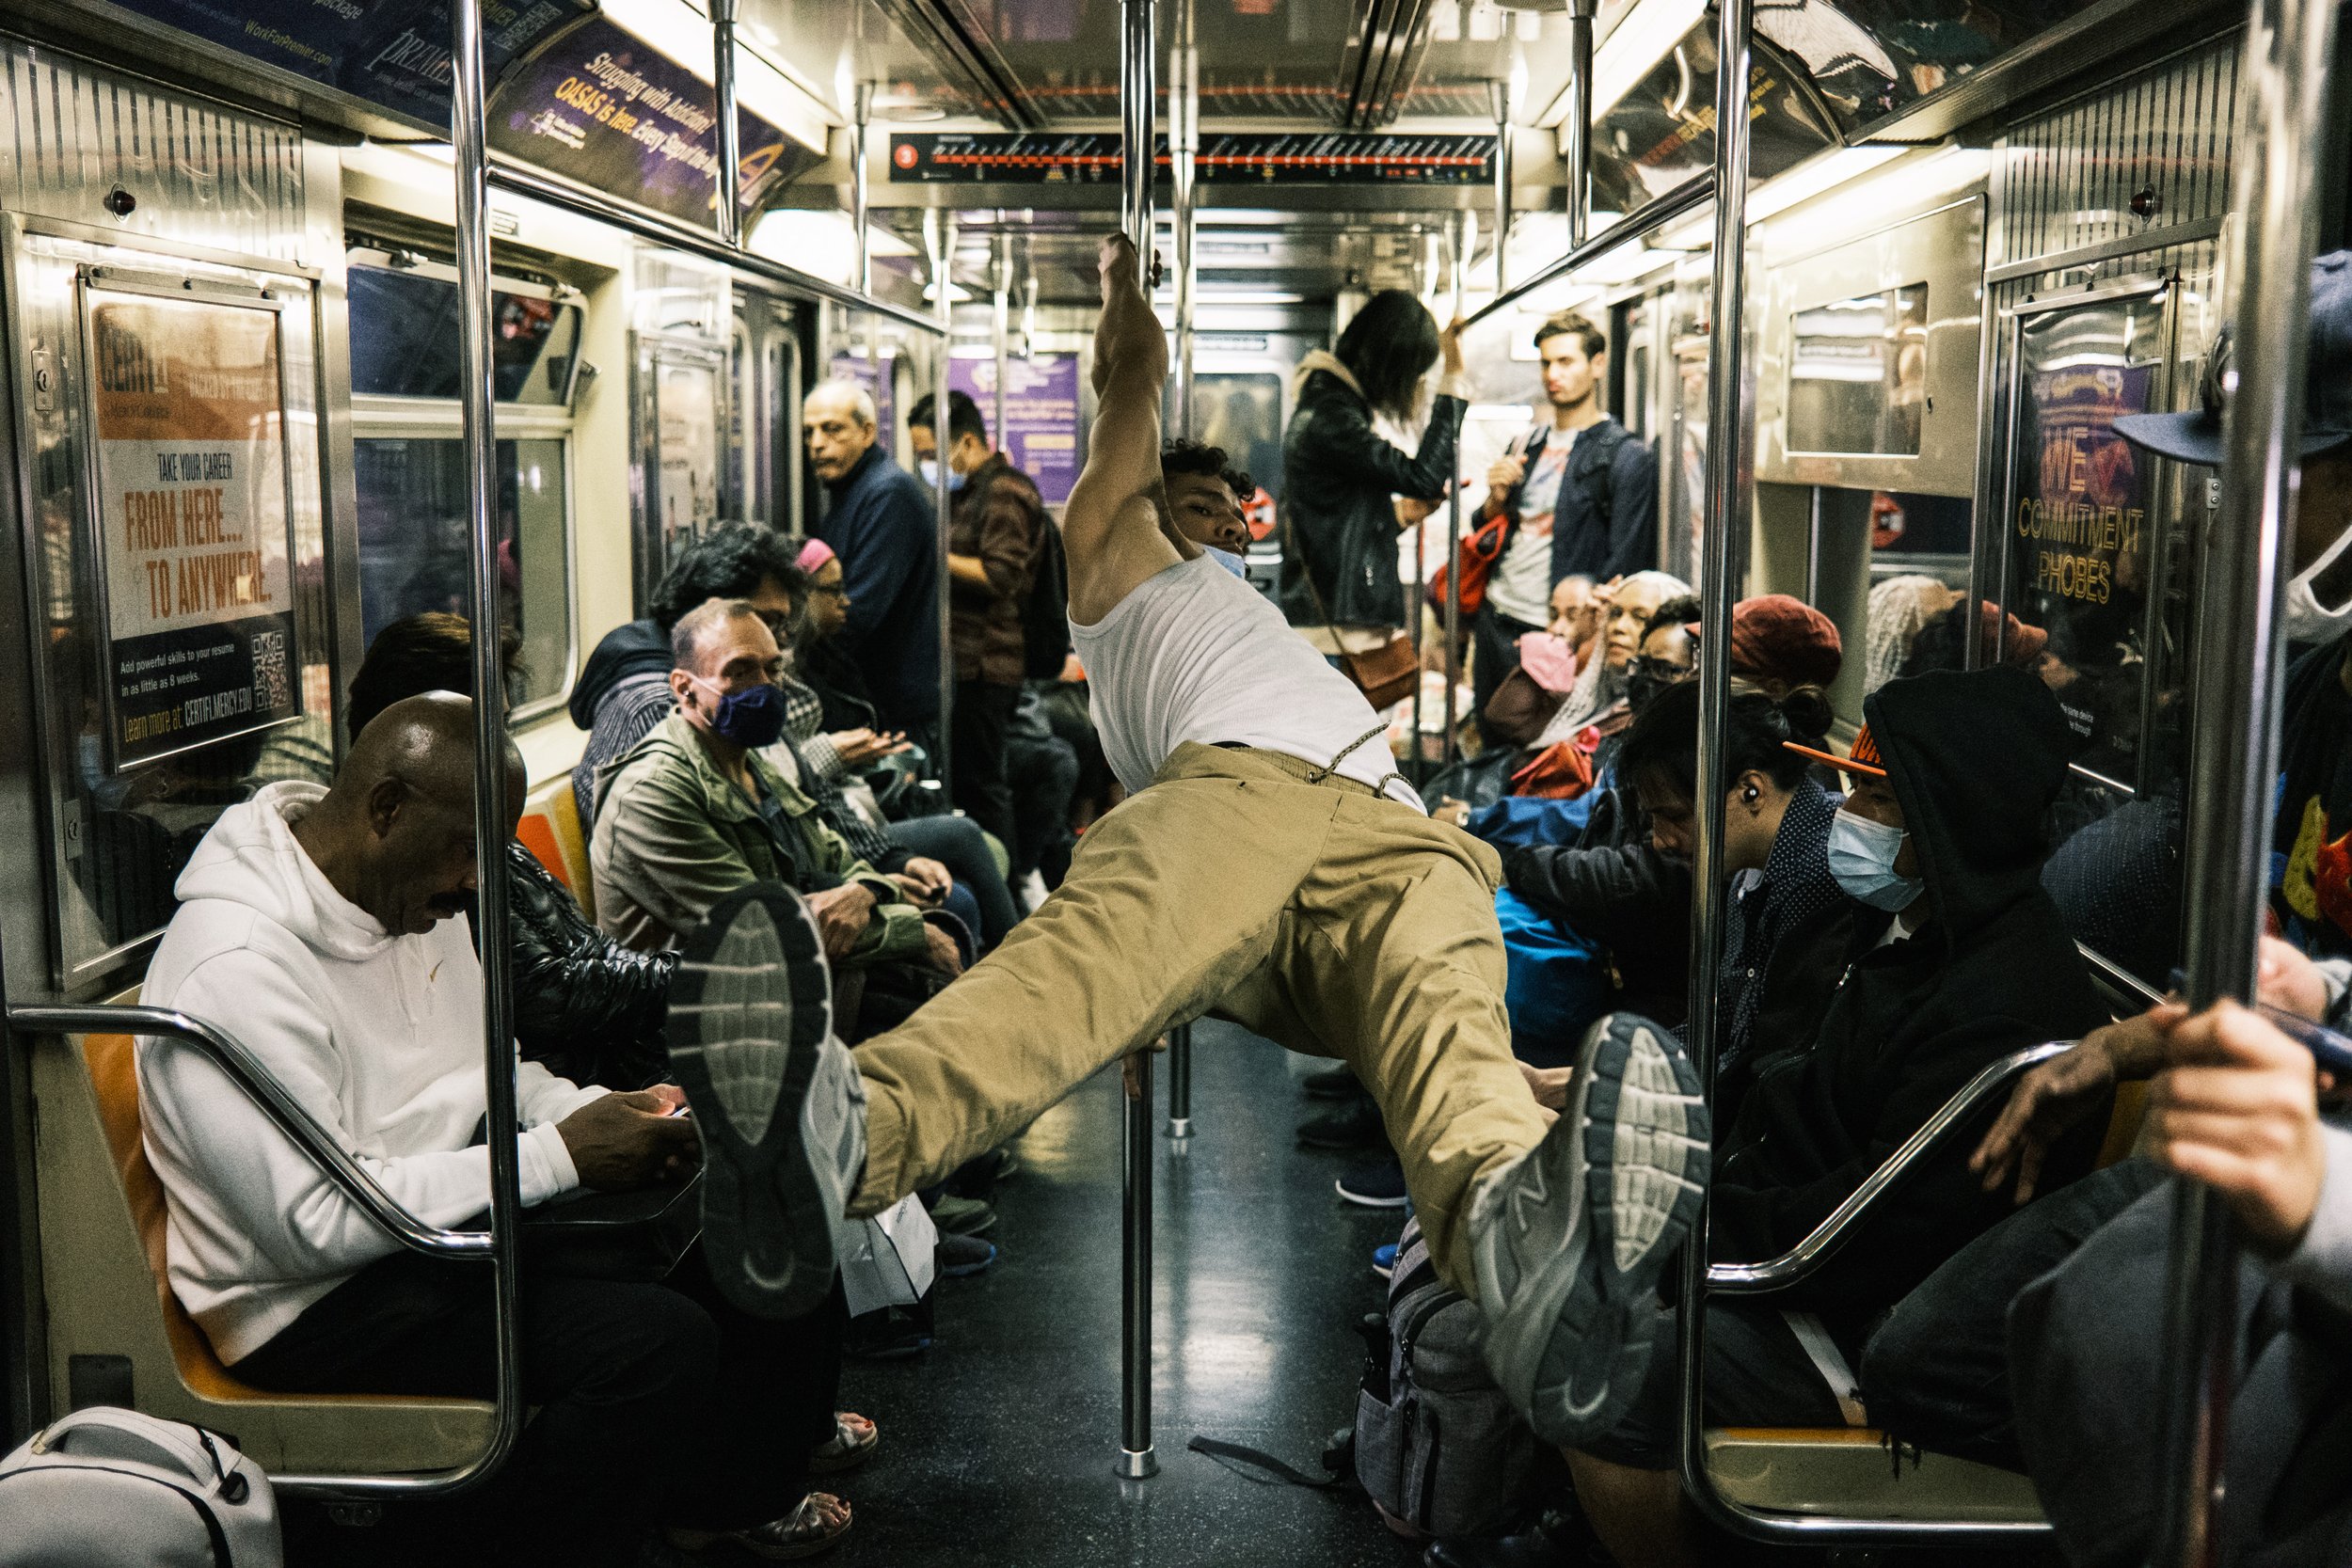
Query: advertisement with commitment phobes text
192	522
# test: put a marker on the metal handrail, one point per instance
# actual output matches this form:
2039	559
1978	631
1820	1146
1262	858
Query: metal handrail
1806	1258
1688	197
520	178
245	1070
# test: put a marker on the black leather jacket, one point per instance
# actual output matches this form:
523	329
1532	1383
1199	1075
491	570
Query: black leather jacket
588	1007
1338	474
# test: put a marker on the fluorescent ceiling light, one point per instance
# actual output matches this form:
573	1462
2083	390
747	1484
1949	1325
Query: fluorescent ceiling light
1776	196
821	243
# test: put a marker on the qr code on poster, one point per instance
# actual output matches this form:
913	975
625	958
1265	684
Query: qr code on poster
271	689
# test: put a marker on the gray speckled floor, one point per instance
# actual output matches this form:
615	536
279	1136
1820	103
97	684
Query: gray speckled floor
998	1443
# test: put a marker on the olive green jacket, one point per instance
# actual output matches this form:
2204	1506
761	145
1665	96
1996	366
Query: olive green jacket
673	836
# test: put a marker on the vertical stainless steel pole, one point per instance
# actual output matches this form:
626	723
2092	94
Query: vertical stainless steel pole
1138	103
730	133
1498	104
939	238
1723	556
1001	329
492	826
2233	757
1183	141
1184	144
1452	626
861	186
1180	1082
1580	126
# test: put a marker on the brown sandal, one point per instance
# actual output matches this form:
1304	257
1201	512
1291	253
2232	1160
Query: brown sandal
816	1526
852	1444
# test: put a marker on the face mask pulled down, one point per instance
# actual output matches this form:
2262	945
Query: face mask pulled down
1862	859
752	718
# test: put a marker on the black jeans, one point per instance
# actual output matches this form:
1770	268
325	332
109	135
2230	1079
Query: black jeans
1937	1372
980	787
1044	774
955	842
1495	644
1757	1376
656	1403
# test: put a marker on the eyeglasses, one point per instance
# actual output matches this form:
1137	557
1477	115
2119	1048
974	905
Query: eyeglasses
838	591
1658	669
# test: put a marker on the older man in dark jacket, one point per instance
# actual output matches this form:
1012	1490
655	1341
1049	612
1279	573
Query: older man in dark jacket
885	528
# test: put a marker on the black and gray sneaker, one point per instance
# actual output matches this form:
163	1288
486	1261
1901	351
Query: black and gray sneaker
776	1099
1569	1243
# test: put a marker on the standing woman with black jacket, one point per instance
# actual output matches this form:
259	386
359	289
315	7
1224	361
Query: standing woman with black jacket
1340	583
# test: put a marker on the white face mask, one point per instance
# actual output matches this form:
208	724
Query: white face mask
2308	620
1862	859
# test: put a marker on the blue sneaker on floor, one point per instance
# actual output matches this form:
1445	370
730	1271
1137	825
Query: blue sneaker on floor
959	1255
1380	1186
1384	1260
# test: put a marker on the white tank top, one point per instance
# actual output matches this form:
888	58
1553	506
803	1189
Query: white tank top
1197	654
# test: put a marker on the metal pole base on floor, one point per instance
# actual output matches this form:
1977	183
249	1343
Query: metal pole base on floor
1180	1082
1135	1459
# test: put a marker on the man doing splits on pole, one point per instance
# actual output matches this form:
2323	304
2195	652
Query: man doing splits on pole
1270	866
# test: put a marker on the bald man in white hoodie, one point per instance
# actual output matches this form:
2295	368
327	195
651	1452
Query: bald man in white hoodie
316	926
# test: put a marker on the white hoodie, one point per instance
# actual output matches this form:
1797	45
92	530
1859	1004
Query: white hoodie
378	1037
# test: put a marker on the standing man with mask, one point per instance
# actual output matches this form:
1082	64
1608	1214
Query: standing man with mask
883	524
995	541
1580	498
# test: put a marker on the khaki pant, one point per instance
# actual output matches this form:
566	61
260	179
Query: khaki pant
1320	915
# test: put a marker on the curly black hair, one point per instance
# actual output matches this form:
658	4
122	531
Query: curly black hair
728	562
1182	456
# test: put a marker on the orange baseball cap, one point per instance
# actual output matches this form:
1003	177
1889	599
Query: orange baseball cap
1864	758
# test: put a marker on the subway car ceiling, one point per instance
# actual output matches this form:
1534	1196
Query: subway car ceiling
1906	185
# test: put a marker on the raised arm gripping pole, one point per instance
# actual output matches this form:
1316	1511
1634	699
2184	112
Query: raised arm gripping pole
1137	100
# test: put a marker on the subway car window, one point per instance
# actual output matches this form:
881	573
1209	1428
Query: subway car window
408	458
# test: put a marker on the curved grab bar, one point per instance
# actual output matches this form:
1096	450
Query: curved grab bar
1775	1274
233	1057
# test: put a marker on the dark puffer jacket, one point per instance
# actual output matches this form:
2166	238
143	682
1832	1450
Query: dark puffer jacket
588	1007
1976	760
1338	474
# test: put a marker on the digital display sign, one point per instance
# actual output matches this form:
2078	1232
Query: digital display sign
1305	158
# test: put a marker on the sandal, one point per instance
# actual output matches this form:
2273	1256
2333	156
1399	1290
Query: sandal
853	1441
818	1525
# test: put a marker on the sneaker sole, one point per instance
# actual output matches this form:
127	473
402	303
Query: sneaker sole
1622	1173
964	1271
1361	1201
750	1009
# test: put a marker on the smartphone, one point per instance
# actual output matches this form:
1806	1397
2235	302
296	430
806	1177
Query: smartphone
681	1109
2330	1048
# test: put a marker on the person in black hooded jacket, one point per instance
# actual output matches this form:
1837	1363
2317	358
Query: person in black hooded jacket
1953	773
1340	584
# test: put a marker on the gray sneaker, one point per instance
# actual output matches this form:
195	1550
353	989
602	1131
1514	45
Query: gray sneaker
1568	1243
776	1097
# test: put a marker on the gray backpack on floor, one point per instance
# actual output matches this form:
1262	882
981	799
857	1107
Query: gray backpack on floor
1438	1447
109	1488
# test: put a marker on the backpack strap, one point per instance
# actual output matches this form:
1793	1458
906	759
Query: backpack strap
1233	1455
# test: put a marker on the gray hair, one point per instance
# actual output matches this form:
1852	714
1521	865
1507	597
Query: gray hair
695	627
861	402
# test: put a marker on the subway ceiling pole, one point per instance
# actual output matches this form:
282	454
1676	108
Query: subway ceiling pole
2233	751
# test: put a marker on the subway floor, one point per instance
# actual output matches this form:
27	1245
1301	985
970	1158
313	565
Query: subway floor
998	1443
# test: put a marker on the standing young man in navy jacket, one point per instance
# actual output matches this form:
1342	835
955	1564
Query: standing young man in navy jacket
1580	496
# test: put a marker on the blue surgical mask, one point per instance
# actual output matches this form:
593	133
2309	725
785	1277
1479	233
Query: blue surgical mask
751	718
1228	560
930	474
1862	859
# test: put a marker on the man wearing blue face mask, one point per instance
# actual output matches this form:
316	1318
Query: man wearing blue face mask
1950	779
693	812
